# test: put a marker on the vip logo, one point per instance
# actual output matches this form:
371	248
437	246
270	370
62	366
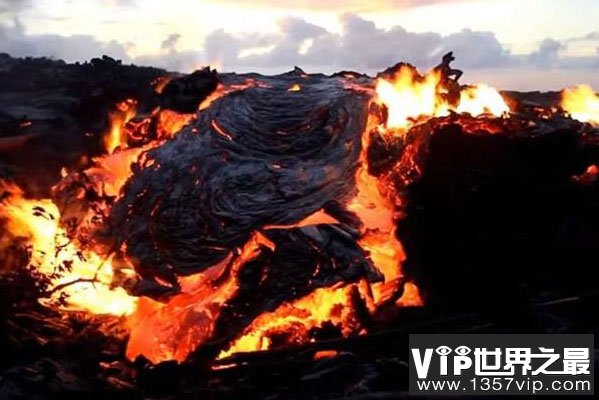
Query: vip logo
513	364
460	360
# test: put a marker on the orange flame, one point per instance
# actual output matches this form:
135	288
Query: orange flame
124	111
482	99
88	277
408	97
582	103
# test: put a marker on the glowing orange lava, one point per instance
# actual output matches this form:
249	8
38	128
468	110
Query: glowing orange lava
123	112
170	331
295	319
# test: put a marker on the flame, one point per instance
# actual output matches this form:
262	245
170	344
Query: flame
295	88
81	274
409	97
482	99
123	112
582	103
590	176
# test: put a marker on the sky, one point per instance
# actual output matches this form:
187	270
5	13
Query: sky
511	44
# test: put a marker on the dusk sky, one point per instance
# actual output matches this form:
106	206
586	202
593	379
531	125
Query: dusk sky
512	44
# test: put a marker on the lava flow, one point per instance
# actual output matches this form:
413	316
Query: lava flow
407	98
86	275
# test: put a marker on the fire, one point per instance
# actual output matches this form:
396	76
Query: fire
482	99
409	96
411	296
81	274
123	112
295	88
582	103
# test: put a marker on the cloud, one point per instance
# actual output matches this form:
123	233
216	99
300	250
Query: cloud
589	36
338	5
12	7
547	55
170	43
119	3
359	45
15	41
363	46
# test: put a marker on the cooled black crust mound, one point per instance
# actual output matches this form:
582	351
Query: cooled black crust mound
258	157
501	215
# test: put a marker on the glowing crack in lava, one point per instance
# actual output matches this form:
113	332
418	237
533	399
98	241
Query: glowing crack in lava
171	329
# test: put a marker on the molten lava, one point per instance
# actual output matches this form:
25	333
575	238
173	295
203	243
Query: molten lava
294	321
172	329
123	112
